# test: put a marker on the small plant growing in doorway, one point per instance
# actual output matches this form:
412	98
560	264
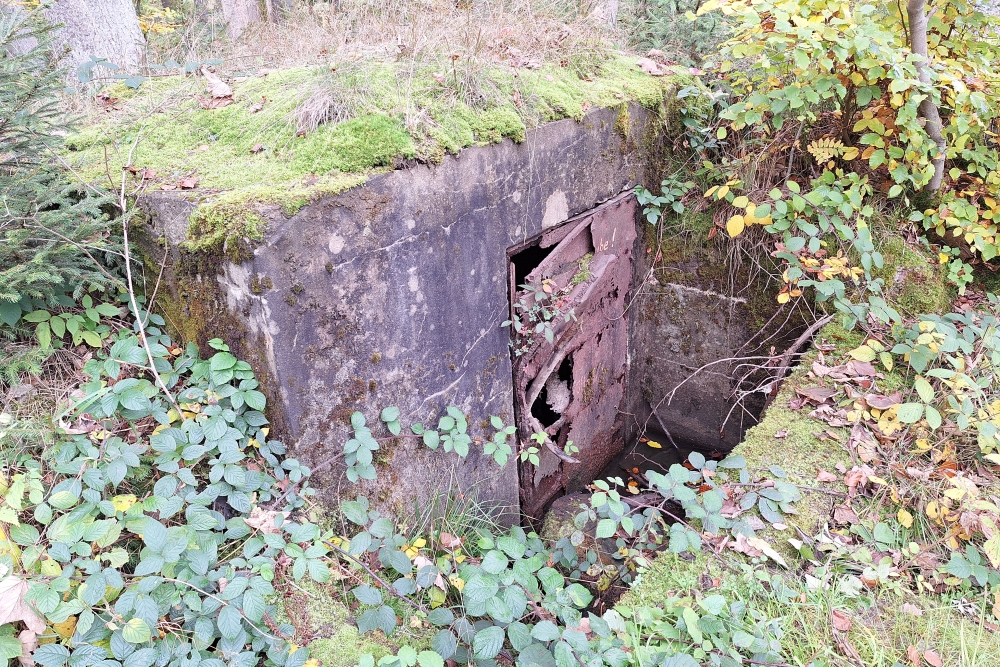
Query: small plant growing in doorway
537	312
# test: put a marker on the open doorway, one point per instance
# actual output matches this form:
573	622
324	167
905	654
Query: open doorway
568	291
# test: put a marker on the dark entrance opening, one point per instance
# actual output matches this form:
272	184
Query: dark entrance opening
569	356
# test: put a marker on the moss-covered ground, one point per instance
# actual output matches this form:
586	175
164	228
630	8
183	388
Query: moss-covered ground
294	135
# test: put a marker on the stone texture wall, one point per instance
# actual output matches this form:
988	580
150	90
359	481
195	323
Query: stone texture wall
393	293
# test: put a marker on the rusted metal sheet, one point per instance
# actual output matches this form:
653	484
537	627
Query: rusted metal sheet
580	375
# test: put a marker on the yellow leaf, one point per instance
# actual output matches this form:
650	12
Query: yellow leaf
851	153
735	226
905	518
932	510
66	628
711	190
741	201
420	543
457	582
654	444
721	133
311	662
783	297
878	480
955	494
122	503
723	191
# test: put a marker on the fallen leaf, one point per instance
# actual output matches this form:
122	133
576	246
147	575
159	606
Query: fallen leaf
912	609
187	183
782	434
880	402
933	659
824	476
841	621
844	514
905	518
654	444
213	102
216	86
913	655
263	520
168	186
650	67
29	642
449	541
258	148
423	561
816	394
12	605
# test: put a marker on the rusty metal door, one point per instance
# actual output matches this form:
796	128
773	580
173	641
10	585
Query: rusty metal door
569	381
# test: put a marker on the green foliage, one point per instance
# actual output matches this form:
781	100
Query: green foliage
172	568
45	220
829	91
672	190
538	311
671	26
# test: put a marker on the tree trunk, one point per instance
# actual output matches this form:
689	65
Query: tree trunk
240	14
915	10
100	28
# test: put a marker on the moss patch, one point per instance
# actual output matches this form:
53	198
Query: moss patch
299	134
914	278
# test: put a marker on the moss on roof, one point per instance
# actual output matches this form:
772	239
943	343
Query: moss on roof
266	146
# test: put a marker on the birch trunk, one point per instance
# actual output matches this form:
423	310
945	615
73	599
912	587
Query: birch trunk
916	12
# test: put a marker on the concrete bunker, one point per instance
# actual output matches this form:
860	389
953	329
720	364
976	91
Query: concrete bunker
394	292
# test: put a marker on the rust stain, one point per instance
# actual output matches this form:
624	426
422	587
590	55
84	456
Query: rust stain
581	374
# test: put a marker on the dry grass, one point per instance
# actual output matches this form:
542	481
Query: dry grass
489	31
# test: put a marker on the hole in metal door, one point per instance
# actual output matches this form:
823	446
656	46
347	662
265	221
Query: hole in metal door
568	289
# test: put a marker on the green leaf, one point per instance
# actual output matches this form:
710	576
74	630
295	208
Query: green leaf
10	647
691	621
44	335
488	642
713	604
545	631
924	389
10	313
51	655
137	631
910	413
91	338
154	534
368	595
390	414
36	316
519	635
230	623
933	417
430	659
445	643
605	528
222	361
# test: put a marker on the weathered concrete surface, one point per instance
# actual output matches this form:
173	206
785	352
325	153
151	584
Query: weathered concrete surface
393	293
687	328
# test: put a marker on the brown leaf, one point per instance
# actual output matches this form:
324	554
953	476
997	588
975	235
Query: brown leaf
783	433
216	86
913	655
880	402
213	102
816	394
29	642
912	609
841	621
263	520
12	605
933	659
168	186
824	476
259	106
650	67
449	541
258	148
845	514
854	477
860	368
187	183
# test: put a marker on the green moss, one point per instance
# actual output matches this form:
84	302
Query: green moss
916	281
251	153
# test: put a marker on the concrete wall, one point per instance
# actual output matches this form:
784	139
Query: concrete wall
393	293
